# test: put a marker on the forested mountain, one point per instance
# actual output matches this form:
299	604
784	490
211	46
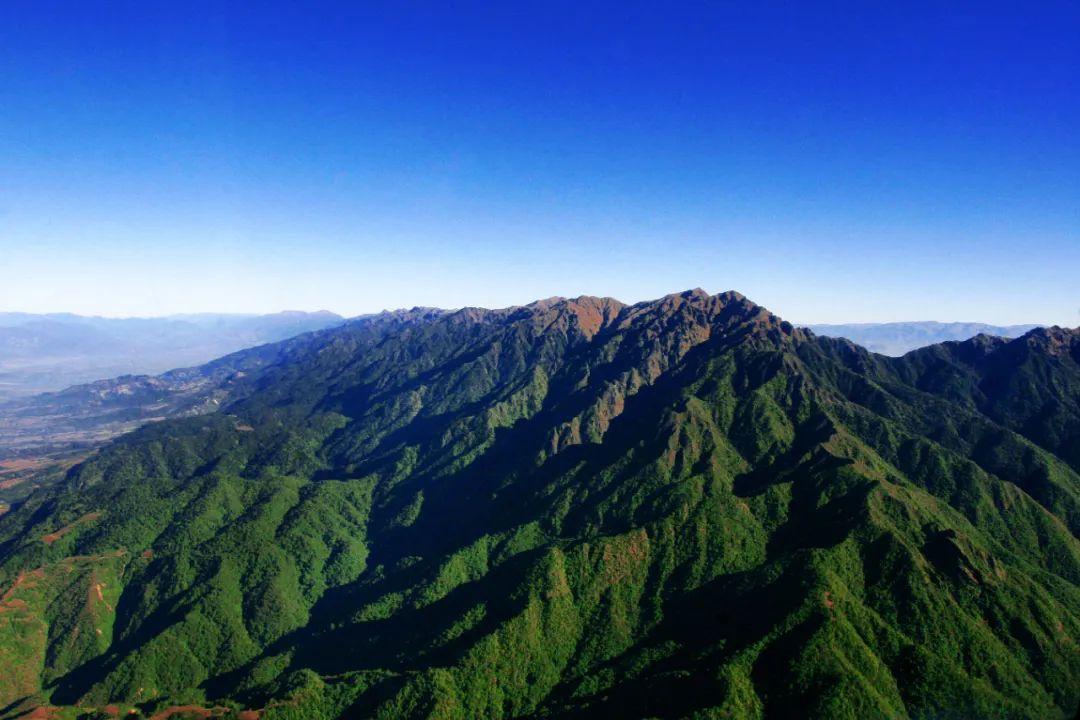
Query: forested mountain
45	353
897	338
577	508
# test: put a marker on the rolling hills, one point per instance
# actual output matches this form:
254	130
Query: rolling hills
577	508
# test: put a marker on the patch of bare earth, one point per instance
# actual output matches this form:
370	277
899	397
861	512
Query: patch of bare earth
14	465
15	471
50	538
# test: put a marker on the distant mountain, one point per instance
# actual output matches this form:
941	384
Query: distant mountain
897	338
41	353
43	435
578	508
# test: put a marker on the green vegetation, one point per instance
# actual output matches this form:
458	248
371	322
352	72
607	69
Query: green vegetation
684	508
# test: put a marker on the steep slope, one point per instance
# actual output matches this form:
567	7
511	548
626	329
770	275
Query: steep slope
576	508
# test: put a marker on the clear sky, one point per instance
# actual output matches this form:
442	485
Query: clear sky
835	162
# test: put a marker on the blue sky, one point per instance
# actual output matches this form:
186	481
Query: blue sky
835	162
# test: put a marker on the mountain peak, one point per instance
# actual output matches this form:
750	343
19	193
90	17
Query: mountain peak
1054	339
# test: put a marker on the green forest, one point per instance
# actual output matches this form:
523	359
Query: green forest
685	508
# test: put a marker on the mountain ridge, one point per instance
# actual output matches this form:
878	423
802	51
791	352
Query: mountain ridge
899	338
574	508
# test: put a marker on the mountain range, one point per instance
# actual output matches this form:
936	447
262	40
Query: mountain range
898	338
686	507
49	352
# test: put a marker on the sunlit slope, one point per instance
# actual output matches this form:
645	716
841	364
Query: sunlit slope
576	508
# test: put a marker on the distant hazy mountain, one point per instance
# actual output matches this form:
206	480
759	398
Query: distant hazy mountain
898	338
40	353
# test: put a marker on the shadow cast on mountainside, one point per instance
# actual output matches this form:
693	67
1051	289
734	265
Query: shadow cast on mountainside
454	515
709	626
354	402
15	709
812	435
69	688
481	496
331	647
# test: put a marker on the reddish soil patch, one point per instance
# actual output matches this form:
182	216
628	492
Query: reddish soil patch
21	464
248	715
14	604
15	471
93	595
20	580
590	318
827	598
50	538
147	554
111	710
